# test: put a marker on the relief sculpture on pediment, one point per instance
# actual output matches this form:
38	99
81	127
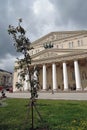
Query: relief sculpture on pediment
49	54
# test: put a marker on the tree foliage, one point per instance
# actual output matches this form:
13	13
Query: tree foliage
22	44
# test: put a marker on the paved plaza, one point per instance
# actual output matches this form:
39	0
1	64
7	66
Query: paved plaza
49	95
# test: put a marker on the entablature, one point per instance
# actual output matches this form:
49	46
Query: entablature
60	58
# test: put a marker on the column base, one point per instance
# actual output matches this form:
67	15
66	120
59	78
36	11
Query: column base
66	89
44	90
78	89
55	90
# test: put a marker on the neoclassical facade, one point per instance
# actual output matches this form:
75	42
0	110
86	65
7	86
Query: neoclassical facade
62	59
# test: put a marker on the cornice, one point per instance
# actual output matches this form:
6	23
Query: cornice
58	50
61	58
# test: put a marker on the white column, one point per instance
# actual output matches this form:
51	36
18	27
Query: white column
44	78
65	76
26	83
15	79
77	75
19	78
54	76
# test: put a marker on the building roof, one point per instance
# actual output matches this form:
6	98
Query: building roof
1	70
61	35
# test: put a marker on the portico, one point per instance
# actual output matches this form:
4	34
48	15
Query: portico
59	76
65	75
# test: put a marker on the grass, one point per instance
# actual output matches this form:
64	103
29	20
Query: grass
58	114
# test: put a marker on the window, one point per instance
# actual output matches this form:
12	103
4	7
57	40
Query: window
36	51
31	52
78	43
70	44
62	46
81	42
57	46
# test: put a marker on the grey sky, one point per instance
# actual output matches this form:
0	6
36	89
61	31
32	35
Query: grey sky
39	18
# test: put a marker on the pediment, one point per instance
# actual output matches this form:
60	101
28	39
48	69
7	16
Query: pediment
52	53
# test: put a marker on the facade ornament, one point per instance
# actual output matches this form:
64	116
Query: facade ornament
48	45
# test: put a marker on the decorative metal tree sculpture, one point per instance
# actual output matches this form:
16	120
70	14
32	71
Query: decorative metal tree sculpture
22	44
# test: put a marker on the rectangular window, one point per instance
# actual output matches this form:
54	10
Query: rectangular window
70	44
78	43
81	42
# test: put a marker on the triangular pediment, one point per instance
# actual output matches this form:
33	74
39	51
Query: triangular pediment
52	53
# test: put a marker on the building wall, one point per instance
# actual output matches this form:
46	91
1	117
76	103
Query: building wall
62	41
59	74
6	79
77	42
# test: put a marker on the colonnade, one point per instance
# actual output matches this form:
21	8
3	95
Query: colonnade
54	77
65	76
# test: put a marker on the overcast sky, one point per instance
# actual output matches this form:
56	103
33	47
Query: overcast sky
39	18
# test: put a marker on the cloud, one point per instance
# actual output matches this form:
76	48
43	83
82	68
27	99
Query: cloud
39	18
72	12
44	17
8	62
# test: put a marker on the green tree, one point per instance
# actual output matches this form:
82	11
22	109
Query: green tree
23	45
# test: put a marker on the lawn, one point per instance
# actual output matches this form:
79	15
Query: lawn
57	114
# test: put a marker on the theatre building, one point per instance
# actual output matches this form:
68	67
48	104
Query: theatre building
62	59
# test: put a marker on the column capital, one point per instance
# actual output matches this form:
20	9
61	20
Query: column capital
64	61
76	59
